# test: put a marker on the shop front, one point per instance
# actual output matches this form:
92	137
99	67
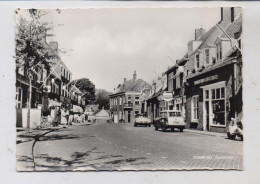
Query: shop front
209	103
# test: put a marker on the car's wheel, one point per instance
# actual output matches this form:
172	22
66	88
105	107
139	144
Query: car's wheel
150	125
232	137
172	129
181	129
135	125
163	129
156	128
145	125
228	135
242	138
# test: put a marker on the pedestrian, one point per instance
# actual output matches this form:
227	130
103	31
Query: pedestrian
71	116
54	116
64	116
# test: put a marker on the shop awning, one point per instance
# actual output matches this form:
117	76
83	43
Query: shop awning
77	108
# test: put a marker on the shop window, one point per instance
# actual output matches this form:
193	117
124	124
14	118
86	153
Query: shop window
195	108
218	107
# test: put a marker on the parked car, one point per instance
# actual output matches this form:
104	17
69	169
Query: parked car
142	120
170	119
234	128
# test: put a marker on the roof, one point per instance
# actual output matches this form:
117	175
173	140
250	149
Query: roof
133	86
235	27
210	37
227	61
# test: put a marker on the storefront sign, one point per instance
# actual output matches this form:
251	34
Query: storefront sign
165	96
211	78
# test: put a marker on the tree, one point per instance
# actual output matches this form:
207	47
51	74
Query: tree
102	98
87	88
32	52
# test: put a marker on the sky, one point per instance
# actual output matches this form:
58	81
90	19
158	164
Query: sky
106	45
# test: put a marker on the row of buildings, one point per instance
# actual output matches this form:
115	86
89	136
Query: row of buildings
205	84
50	86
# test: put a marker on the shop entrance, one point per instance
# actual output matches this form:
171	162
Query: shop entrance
214	113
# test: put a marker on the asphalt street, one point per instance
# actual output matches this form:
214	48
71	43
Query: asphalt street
106	146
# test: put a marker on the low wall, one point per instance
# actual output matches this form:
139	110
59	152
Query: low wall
21	118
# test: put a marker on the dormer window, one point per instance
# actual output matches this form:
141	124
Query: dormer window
219	51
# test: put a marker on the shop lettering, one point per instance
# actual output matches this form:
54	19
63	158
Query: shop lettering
214	77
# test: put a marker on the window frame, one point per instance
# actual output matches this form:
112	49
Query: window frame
193	118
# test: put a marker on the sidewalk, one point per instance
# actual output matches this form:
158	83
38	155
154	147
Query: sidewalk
22	136
206	133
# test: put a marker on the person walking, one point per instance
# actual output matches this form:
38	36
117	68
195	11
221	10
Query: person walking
71	116
64	115
54	116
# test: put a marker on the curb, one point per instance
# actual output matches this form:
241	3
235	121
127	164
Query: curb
205	133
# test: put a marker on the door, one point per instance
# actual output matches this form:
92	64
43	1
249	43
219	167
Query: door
129	117
207	115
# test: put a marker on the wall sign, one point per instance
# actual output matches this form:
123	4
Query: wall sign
200	81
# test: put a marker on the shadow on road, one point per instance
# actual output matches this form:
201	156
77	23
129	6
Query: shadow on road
89	160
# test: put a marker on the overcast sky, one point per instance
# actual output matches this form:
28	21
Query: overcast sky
109	44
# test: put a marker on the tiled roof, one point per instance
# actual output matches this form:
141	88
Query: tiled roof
235	27
133	86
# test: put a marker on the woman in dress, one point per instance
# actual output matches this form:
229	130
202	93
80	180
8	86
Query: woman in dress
64	114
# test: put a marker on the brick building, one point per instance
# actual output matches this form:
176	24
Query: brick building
129	100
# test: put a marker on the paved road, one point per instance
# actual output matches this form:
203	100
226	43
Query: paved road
105	146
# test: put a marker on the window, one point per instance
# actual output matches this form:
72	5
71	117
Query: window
174	114
195	108
19	96
120	100
218	106
129	99
137	101
219	51
178	82
197	61
207	56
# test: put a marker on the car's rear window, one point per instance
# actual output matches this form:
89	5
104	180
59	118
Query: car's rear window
163	114
175	114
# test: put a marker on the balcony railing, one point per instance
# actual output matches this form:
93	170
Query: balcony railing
128	105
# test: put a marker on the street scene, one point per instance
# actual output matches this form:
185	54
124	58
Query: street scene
149	91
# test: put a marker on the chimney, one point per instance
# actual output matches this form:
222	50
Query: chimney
54	46
228	14
199	33
134	76
154	87
124	84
